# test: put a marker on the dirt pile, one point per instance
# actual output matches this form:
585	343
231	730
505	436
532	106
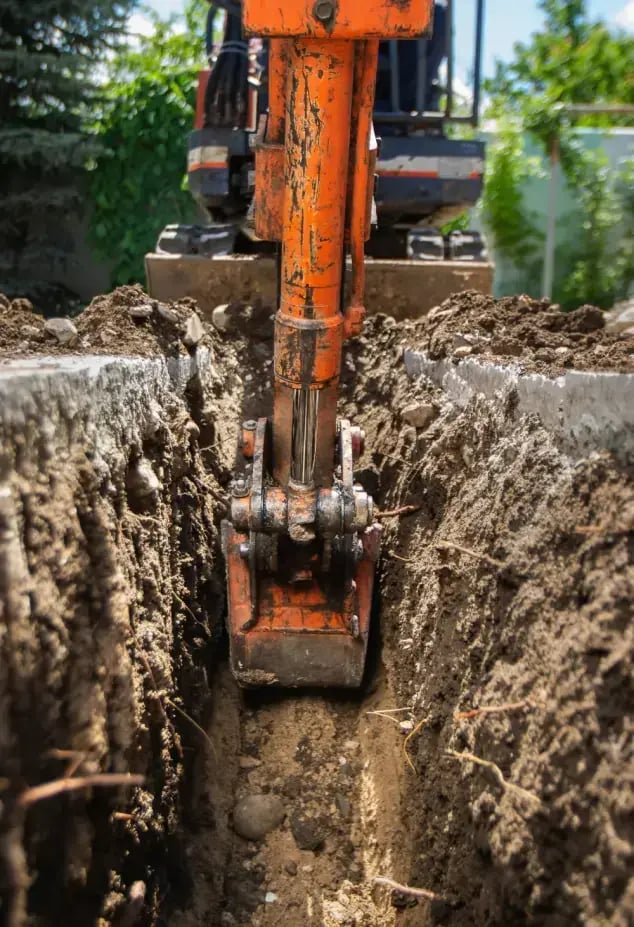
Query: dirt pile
489	757
124	322
521	330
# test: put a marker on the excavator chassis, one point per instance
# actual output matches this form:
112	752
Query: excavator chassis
405	289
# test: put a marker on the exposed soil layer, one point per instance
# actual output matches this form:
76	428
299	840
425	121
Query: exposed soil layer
532	333
512	586
111	612
506	638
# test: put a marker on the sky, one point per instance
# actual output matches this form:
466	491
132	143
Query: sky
506	23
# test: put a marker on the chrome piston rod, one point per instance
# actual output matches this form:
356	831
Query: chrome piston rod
304	438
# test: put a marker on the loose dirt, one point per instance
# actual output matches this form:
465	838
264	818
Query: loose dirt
503	634
533	334
124	322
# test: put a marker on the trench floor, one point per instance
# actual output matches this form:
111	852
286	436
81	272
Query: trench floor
339	771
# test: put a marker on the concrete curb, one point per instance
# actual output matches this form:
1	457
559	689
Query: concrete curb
100	401
585	411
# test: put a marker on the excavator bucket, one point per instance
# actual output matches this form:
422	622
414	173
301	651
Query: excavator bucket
298	613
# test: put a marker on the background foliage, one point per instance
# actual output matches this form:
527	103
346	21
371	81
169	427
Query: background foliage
572	60
137	182
48	87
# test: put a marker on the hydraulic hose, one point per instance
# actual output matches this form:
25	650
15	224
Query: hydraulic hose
226	96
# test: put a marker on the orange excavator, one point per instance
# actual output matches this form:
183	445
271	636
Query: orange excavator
301	544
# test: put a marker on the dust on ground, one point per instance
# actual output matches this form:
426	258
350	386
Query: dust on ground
532	333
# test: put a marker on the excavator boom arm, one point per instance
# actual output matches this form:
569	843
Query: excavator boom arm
302	542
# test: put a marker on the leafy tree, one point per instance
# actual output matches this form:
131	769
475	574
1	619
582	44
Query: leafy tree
49	53
137	185
511	223
572	60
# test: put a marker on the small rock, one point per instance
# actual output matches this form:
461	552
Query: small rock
141	480
257	815
167	314
21	305
194	331
463	351
458	340
142	312
220	317
420	414
192	430
307	833
620	319
270	897
291	867
29	331
61	329
351	746
389	322
406	727
249	762
343	805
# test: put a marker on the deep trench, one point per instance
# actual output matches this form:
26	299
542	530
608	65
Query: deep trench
335	766
511	585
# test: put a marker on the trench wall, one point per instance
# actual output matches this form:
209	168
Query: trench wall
506	622
111	601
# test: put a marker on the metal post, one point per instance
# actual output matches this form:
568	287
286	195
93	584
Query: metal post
421	75
477	64
551	232
450	61
395	77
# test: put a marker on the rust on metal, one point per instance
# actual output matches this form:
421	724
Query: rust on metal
302	544
350	19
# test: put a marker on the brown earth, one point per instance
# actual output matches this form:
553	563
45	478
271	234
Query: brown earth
532	333
509	590
125	322
536	610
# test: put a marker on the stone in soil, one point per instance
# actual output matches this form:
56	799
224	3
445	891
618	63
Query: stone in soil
257	815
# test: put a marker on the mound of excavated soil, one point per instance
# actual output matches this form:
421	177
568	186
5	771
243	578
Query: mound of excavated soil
532	333
125	321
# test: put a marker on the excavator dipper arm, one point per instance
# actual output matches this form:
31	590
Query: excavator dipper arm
302	544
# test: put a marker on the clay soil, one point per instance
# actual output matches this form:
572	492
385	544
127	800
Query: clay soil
489	756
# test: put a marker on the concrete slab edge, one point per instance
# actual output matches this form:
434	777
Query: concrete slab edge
585	411
101	398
